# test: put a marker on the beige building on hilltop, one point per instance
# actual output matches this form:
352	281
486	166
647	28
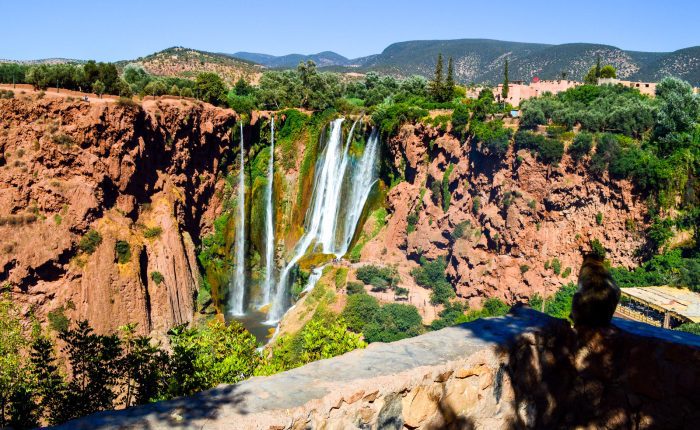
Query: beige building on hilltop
518	91
648	88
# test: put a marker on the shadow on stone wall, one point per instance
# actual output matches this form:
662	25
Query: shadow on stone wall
187	412
560	377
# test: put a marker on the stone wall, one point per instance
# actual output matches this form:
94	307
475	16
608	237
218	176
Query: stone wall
526	370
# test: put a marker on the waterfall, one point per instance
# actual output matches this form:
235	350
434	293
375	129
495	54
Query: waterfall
269	221
327	194
363	179
239	284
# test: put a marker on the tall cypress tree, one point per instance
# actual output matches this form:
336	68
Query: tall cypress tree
49	382
449	89
437	82
597	67
504	91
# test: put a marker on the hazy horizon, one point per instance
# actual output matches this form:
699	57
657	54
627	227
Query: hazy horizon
130	29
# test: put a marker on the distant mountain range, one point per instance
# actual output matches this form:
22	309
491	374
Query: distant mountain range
482	60
475	60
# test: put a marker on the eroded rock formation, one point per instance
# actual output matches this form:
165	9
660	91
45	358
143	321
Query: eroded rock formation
516	215
143	174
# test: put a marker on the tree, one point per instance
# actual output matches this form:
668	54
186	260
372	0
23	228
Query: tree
210	88
437	83
504	91
360	310
460	118
449	87
50	386
13	374
677	116
98	88
94	363
608	71
143	366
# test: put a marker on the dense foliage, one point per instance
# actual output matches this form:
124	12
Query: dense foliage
387	323
431	274
119	370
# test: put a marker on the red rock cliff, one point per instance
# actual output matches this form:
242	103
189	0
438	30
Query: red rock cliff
141	174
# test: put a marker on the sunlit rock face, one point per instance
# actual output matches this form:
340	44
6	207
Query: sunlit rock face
525	370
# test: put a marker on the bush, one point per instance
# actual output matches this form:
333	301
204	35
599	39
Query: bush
597	249
62	139
431	275
379	277
123	251
581	146
411	221
58	319
152	232
157	277
565	274
524	268
599	218
494	139
690	328
460	118
360	310
548	151
460	229
556	266
393	322
354	288
89	243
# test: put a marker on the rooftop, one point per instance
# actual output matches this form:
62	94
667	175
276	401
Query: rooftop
666	298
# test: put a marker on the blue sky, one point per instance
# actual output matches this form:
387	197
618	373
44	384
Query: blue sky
114	30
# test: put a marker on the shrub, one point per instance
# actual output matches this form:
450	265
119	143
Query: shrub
581	146
446	196
360	310
412	220
152	232
379	277
690	328
556	266
599	218
565	274
157	277
431	275
460	229
394	321
62	139
354	288
126	102
123	251
493	137
524	268
597	248
89	243
548	151
476	205
58	319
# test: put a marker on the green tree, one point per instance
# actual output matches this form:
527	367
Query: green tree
13	374
448	90
436	85
98	87
504	91
210	88
94	363
360	310
50	385
221	353
608	71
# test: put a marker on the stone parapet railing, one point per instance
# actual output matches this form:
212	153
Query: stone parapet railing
525	370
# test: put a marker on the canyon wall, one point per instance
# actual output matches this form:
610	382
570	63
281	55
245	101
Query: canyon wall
516	214
141	174
525	370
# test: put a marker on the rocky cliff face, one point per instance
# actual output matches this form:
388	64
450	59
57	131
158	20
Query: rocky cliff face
516	216
145	175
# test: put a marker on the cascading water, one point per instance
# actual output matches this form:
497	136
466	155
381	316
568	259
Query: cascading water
269	222
325	209
239	283
363	179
